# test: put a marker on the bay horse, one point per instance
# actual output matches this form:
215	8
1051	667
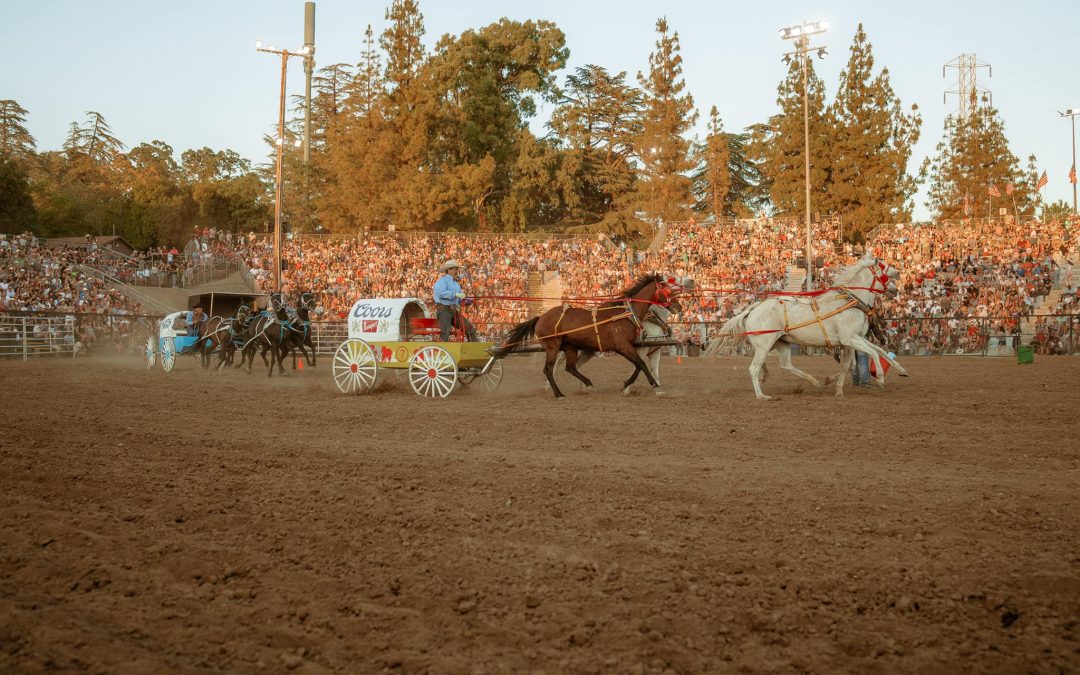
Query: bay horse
612	326
654	327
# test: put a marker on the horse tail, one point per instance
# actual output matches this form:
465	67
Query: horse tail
731	333
516	338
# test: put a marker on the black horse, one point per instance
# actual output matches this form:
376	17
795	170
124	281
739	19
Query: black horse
299	336
267	332
223	338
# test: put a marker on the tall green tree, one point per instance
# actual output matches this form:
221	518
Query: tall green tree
16	142
662	148
17	212
872	137
973	155
777	146
597	124
712	179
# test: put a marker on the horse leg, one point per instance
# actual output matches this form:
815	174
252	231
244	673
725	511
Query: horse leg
629	352
784	353
653	359
892	362
761	350
864	345
552	354
571	366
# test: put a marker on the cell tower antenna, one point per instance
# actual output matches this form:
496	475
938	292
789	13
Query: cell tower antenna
967	88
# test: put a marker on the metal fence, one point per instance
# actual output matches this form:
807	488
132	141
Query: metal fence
37	336
71	334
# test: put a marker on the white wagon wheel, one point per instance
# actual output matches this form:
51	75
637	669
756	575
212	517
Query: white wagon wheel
355	367
151	352
433	372
168	354
489	381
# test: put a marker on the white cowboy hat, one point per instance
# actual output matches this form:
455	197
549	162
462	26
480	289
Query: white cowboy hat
448	265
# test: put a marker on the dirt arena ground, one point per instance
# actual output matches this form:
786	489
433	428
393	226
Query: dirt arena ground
191	522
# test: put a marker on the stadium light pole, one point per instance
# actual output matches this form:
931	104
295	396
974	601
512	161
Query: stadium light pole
800	35
303	52
1071	113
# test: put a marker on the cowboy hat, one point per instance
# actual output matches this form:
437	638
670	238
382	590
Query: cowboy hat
449	265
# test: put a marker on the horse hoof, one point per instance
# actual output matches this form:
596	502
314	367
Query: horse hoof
904	373
839	394
659	392
626	391
764	397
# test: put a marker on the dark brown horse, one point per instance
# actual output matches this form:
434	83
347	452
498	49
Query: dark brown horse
613	326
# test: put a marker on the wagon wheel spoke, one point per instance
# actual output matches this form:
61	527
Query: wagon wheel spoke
354	367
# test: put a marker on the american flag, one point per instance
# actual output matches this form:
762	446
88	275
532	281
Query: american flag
1009	188
1072	174
1043	180
993	191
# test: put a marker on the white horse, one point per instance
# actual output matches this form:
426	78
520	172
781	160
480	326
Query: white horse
835	318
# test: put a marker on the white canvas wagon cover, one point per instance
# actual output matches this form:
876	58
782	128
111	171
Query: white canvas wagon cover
384	319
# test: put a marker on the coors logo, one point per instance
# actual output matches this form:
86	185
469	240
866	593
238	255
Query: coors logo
366	311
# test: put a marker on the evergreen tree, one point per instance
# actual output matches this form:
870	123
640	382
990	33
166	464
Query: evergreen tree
871	143
662	148
973	155
712	178
17	212
777	146
597	123
15	140
97	140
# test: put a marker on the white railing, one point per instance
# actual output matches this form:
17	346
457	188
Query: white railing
31	336
326	336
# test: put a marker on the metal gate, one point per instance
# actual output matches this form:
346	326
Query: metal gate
36	336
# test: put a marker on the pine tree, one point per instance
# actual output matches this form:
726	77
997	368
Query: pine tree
597	124
777	146
973	155
98	141
712	178
16	142
367	87
871	143
662	149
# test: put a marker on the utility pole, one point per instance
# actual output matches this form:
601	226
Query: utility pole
285	54
801	34
309	66
967	87
1071	113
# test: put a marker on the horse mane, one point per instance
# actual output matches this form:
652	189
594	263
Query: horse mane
641	283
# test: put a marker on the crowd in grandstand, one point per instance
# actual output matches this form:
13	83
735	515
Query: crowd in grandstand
962	285
36	278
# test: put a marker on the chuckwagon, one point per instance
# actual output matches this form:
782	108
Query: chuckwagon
401	334
172	339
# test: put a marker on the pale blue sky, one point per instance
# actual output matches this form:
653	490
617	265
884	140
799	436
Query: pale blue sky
187	72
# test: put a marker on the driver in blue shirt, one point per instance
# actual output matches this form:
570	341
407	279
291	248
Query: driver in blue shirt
195	320
448	296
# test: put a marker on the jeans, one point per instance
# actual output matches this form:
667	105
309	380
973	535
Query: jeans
860	374
450	316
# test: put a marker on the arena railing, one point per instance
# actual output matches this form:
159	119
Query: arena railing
31	336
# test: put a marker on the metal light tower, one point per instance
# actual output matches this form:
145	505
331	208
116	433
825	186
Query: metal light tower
309	66
285	54
801	35
1071	113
